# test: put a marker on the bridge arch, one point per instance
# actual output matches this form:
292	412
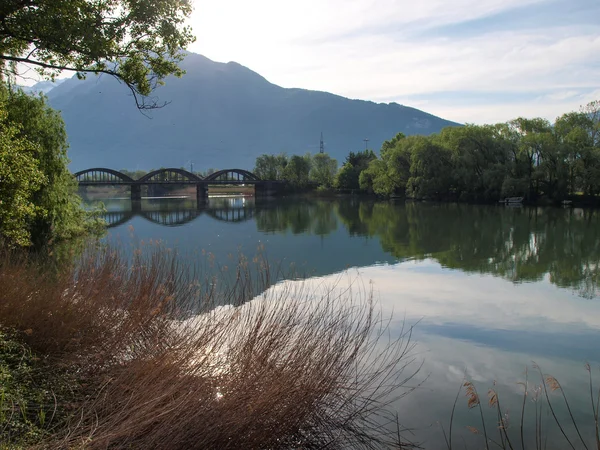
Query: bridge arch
170	174
240	174
102	175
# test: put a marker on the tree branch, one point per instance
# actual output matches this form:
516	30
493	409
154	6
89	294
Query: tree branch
141	105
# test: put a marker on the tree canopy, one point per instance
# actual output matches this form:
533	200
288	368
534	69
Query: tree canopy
140	42
38	200
532	158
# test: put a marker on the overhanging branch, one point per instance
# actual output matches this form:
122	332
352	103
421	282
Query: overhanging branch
141	105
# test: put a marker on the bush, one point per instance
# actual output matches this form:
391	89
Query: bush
38	199
166	362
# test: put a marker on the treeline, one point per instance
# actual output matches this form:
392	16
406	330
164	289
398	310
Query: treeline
532	158
529	158
299	171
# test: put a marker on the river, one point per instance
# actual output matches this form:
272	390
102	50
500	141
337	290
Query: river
490	289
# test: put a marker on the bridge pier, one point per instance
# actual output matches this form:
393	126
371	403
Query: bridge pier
136	192
201	193
266	189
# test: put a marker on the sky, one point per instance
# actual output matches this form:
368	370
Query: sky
471	61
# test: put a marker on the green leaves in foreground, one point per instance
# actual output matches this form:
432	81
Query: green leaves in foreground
139	42
20	178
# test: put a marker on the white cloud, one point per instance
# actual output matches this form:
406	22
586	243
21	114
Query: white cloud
371	50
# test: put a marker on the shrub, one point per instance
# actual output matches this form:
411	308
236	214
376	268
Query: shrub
164	361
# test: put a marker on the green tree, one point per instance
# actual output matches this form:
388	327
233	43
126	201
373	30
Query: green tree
58	208
430	169
349	174
20	178
138	42
390	174
270	167
479	159
323	169
297	170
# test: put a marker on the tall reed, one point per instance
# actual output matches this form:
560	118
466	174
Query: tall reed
165	359
545	418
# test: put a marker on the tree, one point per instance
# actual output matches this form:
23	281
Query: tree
323	169
479	159
348	176
270	167
430	169
139	42
297	170
20	178
390	174
41	130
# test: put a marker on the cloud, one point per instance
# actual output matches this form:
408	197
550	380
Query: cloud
389	49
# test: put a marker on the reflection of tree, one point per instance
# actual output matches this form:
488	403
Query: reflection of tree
315	217
517	244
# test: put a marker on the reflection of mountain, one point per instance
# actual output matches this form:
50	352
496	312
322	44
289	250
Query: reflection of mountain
520	244
220	115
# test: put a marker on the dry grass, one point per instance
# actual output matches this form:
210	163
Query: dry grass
534	427
160	365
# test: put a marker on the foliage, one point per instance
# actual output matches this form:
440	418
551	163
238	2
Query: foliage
348	176
323	169
297	170
271	167
138	42
49	207
20	178
524	157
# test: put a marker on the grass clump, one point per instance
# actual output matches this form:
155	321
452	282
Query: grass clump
163	360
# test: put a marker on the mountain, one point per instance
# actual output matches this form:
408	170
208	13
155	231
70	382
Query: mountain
220	116
43	87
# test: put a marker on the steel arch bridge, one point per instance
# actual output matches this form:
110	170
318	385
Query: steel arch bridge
171	175
101	176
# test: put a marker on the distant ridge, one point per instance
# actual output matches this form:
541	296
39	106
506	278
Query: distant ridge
221	115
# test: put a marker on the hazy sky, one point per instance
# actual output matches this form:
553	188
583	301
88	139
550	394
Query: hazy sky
465	60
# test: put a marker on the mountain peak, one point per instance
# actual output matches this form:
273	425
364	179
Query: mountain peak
220	115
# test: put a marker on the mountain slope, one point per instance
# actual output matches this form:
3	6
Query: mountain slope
220	115
43	87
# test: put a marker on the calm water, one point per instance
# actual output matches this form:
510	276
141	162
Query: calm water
491	288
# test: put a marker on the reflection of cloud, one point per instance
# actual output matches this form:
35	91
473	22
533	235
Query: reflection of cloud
445	362
424	289
485	327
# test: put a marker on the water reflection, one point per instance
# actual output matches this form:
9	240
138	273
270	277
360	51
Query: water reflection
170	213
561	246
490	287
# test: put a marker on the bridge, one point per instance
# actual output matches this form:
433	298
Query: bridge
101	176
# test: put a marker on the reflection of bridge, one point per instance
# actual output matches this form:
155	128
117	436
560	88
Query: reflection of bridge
108	177
179	217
